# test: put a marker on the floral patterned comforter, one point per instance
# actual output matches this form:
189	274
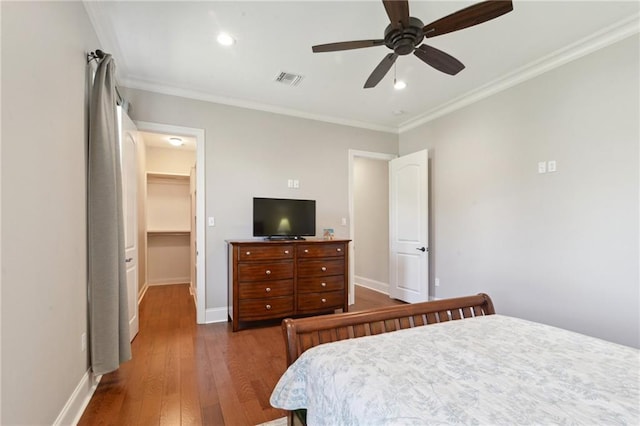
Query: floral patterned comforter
492	370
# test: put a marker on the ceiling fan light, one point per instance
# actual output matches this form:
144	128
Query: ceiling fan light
176	141
225	39
399	84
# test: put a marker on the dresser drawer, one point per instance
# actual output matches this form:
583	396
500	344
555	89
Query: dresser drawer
265	271
261	289
260	309
320	268
319	284
264	252
320	250
315	302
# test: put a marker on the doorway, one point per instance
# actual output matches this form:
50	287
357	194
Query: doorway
176	233
369	219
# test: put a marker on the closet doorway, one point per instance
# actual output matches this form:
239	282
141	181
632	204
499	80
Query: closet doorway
172	210
369	220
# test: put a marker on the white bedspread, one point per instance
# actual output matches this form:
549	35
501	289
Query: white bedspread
492	370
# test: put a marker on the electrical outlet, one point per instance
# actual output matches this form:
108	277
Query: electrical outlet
83	342
437	283
296	183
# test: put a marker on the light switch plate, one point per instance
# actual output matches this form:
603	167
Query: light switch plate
542	167
211	221
551	166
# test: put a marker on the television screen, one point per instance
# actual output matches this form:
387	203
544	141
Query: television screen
283	218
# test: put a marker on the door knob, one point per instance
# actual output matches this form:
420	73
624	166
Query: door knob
128	259
422	249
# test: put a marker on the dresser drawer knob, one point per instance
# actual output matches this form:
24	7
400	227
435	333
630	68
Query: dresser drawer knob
248	253
268	289
323	284
324	269
306	250
286	252
268	307
339	250
324	300
268	272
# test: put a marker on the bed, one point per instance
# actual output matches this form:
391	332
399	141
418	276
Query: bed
470	366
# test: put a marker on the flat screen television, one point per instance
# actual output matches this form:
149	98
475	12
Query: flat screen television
282	218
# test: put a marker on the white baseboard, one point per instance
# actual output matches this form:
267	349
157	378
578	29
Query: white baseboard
145	287
215	315
378	286
78	401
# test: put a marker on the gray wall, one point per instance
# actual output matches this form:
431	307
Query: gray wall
371	221
44	275
559	248
253	153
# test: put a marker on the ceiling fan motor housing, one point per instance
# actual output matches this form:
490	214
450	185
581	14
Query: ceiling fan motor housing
403	41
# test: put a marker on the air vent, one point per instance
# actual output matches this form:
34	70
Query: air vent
288	79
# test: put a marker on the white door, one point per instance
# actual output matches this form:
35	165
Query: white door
129	161
408	228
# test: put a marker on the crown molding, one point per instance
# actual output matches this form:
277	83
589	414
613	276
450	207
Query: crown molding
105	33
607	36
141	84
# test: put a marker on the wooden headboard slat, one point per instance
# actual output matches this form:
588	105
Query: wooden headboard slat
304	333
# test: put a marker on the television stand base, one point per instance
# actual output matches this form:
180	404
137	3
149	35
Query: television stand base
283	238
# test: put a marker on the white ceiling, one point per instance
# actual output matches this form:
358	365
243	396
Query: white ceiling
159	140
171	47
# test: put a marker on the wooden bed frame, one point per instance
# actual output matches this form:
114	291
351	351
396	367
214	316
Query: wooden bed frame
304	333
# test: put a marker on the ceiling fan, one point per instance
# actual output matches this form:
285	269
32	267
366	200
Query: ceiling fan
405	33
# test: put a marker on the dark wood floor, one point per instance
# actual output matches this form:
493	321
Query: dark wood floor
188	374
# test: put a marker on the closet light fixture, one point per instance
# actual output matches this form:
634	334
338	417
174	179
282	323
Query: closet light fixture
225	39
176	141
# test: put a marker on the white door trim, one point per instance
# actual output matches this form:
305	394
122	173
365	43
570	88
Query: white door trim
146	126
353	154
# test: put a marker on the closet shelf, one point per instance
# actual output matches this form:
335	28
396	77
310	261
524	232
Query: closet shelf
160	176
168	232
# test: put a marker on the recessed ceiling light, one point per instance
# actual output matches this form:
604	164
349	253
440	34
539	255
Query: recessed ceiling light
176	141
399	84
225	39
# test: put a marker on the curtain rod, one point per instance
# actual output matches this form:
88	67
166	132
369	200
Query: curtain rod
98	54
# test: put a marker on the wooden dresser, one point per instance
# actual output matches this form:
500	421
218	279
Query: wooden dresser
279	279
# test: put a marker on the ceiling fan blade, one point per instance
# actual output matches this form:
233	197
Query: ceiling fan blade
398	12
439	60
381	70
346	45
468	17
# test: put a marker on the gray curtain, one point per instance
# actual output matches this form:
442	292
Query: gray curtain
108	308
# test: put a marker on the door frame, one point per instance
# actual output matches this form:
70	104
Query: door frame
353	154
201	243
